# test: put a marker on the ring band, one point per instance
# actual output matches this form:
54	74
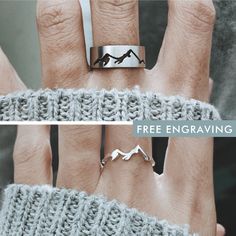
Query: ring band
127	156
117	56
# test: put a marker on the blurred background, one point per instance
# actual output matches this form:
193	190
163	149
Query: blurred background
19	40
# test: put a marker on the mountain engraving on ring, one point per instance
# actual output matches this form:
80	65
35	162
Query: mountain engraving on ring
107	57
128	155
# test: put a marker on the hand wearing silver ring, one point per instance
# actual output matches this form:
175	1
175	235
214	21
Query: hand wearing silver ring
117	56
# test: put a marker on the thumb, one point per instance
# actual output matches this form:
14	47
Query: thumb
220	230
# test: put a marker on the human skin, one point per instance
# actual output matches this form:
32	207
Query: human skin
182	68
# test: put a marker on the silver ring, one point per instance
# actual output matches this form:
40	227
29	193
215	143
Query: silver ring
127	156
117	56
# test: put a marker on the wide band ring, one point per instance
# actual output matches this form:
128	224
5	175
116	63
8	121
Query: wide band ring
117	56
126	156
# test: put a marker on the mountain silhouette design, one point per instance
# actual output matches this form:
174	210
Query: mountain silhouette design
107	57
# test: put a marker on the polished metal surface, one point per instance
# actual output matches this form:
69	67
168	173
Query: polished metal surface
117	56
127	156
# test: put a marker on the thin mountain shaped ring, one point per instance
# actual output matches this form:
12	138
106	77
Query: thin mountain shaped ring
117	56
126	156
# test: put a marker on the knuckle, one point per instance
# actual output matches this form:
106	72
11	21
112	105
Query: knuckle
63	72
31	151
118	3
84	164
199	14
84	137
56	19
117	8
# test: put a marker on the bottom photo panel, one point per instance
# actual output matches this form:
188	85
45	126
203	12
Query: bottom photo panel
102	180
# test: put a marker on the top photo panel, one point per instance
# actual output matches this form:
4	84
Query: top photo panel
117	60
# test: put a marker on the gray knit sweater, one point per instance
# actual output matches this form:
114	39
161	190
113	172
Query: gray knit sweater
101	105
46	211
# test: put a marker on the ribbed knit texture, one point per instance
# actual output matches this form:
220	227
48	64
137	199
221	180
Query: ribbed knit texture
44	211
102	105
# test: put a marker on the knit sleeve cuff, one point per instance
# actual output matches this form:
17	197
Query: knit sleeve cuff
101	105
44	210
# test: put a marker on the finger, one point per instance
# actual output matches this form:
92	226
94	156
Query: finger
126	180
9	79
116	23
32	155
64	65
220	230
184	59
189	161
79	150
188	173
62	43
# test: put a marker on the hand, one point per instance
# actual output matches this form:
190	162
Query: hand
80	168
64	65
179	197
183	64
